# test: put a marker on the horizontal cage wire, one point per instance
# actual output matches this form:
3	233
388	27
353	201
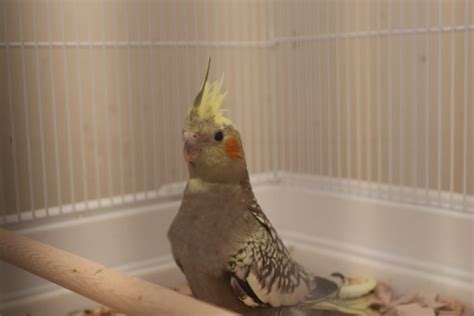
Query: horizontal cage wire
366	98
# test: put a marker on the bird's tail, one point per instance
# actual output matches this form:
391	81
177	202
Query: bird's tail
323	289
345	295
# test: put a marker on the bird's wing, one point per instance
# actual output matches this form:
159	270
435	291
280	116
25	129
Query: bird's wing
263	272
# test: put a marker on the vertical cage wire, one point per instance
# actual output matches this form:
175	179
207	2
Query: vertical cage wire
328	88
369	103
165	109
465	101
305	154
40	117
175	84
120	107
290	98
130	105
142	111
338	88
266	128
68	116
451	101
348	94
93	82
249	117
320	104
153	98
414	113
275	117
12	122
107	123
401	95
379	97
427	109
26	105
54	114
390	101
81	106
314	78
440	126
297	89
357	99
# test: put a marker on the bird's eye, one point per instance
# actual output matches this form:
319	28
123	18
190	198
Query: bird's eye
219	136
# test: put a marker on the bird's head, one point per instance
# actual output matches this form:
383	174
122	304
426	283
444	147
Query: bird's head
212	145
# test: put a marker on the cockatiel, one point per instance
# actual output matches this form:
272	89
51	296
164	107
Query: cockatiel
222	241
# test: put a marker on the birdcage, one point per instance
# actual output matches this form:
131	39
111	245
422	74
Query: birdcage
357	119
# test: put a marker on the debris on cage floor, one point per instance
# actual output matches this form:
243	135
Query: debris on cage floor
415	302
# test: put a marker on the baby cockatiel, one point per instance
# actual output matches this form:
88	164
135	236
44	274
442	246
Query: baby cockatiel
227	248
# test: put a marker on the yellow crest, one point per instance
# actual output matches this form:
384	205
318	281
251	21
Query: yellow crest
208	102
211	102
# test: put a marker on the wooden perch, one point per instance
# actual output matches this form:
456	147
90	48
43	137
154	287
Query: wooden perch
109	287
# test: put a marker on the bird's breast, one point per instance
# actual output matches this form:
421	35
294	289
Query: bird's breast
208	229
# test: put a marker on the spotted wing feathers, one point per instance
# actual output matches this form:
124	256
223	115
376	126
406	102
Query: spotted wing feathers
263	272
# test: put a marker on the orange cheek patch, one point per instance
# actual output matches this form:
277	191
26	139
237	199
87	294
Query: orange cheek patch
232	148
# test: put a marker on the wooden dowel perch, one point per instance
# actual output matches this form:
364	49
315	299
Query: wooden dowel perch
106	286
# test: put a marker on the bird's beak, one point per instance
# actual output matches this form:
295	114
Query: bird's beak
192	147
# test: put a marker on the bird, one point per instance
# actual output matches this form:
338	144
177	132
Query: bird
221	239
